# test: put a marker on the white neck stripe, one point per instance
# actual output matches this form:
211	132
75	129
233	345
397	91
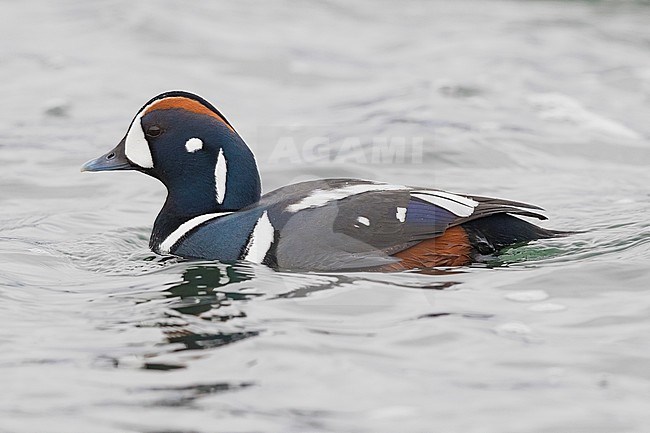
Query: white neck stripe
220	174
176	235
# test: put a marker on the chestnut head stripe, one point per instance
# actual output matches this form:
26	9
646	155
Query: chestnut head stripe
183	103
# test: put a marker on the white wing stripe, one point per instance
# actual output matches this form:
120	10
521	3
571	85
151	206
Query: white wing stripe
319	197
454	197
452	206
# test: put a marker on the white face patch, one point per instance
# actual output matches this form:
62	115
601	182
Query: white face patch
319	197
136	147
401	214
363	220
193	144
220	173
456	204
261	240
170	241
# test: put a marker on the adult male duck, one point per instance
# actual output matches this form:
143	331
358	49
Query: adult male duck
214	208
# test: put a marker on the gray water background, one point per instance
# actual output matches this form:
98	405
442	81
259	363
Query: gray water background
541	101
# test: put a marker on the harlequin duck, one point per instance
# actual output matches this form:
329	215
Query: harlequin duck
214	209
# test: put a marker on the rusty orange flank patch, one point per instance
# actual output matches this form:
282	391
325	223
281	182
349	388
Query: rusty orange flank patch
451	249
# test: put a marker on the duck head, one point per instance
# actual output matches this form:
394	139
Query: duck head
182	140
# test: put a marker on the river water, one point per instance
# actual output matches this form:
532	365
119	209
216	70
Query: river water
539	101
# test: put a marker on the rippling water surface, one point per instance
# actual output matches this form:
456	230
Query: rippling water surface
540	101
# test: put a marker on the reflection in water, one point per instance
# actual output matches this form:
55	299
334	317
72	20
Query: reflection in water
215	293
193	341
206	305
199	294
185	395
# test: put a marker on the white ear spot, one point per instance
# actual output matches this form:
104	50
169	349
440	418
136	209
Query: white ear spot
363	220
220	173
193	144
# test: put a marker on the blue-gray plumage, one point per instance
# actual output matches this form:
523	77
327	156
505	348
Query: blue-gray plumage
214	209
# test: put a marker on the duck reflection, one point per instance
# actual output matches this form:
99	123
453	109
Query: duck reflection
202	293
208	303
199	291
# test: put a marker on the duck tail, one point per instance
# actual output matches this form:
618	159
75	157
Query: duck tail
493	233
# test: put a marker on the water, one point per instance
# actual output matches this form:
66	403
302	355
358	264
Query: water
540	101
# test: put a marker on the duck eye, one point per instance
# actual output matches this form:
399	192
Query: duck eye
154	131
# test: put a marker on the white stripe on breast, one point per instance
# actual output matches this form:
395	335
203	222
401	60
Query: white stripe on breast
261	240
170	241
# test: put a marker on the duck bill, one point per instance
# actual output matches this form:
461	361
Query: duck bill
114	159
